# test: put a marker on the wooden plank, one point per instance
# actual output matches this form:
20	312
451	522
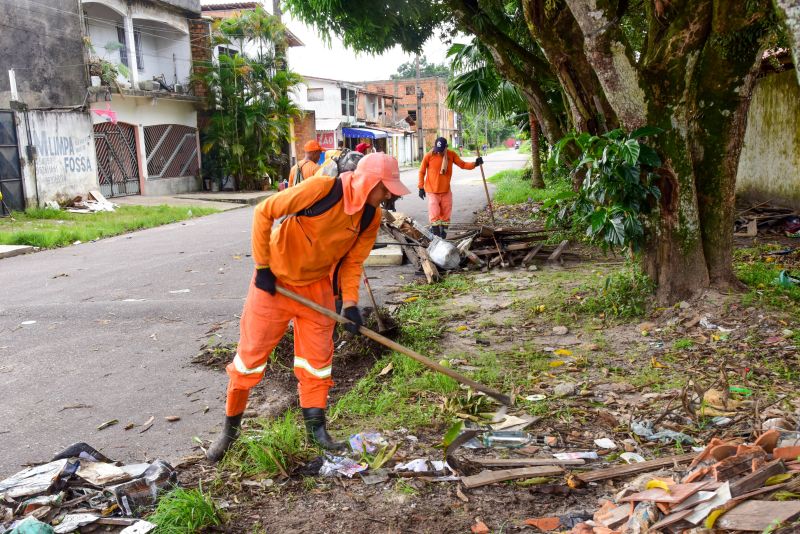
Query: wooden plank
756	480
677	493
632	469
490	477
521	462
557	252
757	516
431	272
530	255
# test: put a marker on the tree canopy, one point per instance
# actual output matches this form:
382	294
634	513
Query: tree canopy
687	67
409	69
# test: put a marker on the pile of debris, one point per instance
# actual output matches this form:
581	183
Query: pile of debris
93	203
766	219
728	486
80	487
472	246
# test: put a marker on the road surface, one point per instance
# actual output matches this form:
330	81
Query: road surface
106	330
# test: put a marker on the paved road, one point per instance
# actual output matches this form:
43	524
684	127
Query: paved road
117	323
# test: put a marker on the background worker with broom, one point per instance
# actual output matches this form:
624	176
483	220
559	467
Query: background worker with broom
434	183
317	252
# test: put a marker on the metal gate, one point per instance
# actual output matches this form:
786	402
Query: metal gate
117	168
171	150
10	175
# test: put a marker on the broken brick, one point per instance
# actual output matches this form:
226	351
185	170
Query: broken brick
786	453
768	440
545	524
480	528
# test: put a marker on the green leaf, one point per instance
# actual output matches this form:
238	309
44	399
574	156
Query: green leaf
630	151
452	433
648	156
645	131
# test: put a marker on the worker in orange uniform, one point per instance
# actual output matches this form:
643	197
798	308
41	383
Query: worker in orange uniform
434	182
306	167
318	252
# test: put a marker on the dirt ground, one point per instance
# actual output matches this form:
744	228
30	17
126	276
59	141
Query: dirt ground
578	360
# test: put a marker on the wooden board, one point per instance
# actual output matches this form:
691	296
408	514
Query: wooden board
489	477
758	515
677	493
756	480
633	469
431	272
520	462
557	252
530	255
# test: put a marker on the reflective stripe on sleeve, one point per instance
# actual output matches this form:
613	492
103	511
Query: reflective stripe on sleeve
302	363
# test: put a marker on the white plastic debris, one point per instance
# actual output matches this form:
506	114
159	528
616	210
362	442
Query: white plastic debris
605	443
632	457
33	480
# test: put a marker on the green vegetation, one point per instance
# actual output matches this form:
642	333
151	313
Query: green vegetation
624	294
760	272
514	187
184	511
269	447
49	228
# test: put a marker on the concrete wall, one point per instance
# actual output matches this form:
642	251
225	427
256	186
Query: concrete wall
304	130
769	167
66	165
45	47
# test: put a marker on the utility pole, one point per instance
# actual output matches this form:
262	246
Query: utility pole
420	133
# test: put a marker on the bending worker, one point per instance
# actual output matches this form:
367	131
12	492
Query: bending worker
306	167
434	182
318	252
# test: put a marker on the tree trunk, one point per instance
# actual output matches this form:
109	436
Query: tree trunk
536	160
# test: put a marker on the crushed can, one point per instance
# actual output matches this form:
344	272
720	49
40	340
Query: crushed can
143	492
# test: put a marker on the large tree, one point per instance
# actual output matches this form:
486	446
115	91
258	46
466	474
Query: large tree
685	66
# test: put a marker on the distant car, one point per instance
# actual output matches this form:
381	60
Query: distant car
516	145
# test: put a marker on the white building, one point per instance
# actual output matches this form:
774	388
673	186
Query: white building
145	125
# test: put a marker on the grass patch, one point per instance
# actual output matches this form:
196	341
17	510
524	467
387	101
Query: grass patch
271	447
514	187
760	273
625	295
47	228
184	511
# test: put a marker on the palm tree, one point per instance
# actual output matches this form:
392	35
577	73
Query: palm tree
248	98
478	88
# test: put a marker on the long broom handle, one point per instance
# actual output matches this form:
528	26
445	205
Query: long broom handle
486	189
386	342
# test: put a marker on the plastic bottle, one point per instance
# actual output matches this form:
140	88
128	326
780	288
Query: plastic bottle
511	439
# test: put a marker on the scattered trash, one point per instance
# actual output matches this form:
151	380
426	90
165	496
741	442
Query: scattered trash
579	455
180	291
82	487
333	465
632	457
94	203
664	435
108	424
144	492
605	443
510	439
26	323
535	398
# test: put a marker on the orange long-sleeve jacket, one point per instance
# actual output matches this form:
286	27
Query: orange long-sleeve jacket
432	165
302	250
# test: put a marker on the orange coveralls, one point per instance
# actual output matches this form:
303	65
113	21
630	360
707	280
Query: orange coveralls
307	170
437	185
301	252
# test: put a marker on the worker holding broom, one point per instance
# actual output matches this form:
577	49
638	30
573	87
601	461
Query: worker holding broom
434	183
316	252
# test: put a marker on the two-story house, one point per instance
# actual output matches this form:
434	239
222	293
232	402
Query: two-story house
145	120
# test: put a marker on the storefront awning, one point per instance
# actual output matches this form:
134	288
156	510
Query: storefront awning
369	133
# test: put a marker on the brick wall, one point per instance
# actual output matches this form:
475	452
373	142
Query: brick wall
305	129
437	118
200	37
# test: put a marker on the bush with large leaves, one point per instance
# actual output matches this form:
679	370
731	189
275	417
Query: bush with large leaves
617	192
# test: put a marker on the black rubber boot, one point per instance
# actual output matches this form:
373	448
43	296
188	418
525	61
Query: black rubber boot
229	434
316	431
443	232
435	230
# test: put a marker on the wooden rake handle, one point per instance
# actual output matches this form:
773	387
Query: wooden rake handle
386	342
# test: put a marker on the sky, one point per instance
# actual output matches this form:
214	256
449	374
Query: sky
337	62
